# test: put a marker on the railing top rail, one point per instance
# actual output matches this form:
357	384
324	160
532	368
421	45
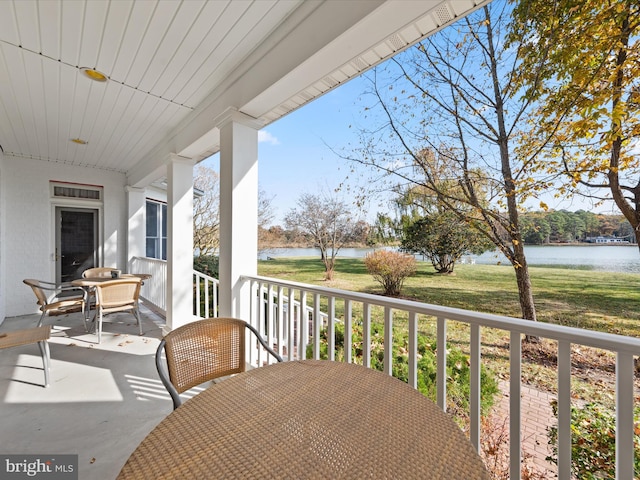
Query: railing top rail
607	341
204	275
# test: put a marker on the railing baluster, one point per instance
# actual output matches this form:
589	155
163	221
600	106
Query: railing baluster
292	327
207	310
413	349
515	373
347	331
624	416
441	359
262	308
252	314
256	317
331	328
564	409
216	293
304	325
280	319
474	387
366	334
271	313
317	326
388	340
197	282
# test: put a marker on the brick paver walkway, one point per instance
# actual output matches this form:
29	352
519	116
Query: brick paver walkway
537	415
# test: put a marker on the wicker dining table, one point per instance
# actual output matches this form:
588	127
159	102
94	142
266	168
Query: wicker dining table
307	419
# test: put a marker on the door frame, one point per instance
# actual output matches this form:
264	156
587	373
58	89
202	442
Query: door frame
58	241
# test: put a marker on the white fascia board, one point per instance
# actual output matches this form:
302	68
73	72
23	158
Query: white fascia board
370	31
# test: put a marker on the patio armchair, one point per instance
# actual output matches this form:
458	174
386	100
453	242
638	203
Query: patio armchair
117	295
54	299
204	350
27	336
95	272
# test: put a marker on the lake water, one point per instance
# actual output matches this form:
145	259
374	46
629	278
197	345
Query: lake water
609	258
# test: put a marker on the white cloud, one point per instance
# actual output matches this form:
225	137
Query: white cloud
264	136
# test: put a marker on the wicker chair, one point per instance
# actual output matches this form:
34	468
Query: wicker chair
98	272
27	336
203	350
56	299
117	295
95	272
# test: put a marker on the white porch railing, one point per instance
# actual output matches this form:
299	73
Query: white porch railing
277	308
205	295
154	290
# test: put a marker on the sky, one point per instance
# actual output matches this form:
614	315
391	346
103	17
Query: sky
295	152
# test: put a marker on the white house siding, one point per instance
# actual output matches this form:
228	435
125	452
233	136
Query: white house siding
27	227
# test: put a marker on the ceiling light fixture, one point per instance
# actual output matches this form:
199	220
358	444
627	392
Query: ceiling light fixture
79	141
94	74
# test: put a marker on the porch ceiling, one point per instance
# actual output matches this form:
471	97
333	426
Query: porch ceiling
174	66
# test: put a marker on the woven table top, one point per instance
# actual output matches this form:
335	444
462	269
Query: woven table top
307	419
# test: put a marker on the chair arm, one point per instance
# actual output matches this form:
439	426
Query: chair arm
57	288
164	376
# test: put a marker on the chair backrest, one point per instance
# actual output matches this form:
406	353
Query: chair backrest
203	350
98	272
118	292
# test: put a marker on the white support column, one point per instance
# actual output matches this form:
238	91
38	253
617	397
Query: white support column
136	246
238	210
179	242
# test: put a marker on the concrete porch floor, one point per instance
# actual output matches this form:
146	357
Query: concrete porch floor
103	399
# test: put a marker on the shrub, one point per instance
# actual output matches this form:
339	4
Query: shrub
390	269
593	441
207	264
458	370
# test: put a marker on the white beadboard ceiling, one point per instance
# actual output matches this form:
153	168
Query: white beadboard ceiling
173	66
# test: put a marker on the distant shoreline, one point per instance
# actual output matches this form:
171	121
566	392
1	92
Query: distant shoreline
583	244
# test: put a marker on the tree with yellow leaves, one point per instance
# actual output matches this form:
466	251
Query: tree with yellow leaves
588	94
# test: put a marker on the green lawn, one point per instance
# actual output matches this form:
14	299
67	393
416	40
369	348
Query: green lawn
607	302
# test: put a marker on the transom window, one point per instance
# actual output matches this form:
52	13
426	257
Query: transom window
75	191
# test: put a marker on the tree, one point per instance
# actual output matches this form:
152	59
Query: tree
445	118
444	238
558	223
206	211
383	231
328	221
589	94
265	217
535	228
